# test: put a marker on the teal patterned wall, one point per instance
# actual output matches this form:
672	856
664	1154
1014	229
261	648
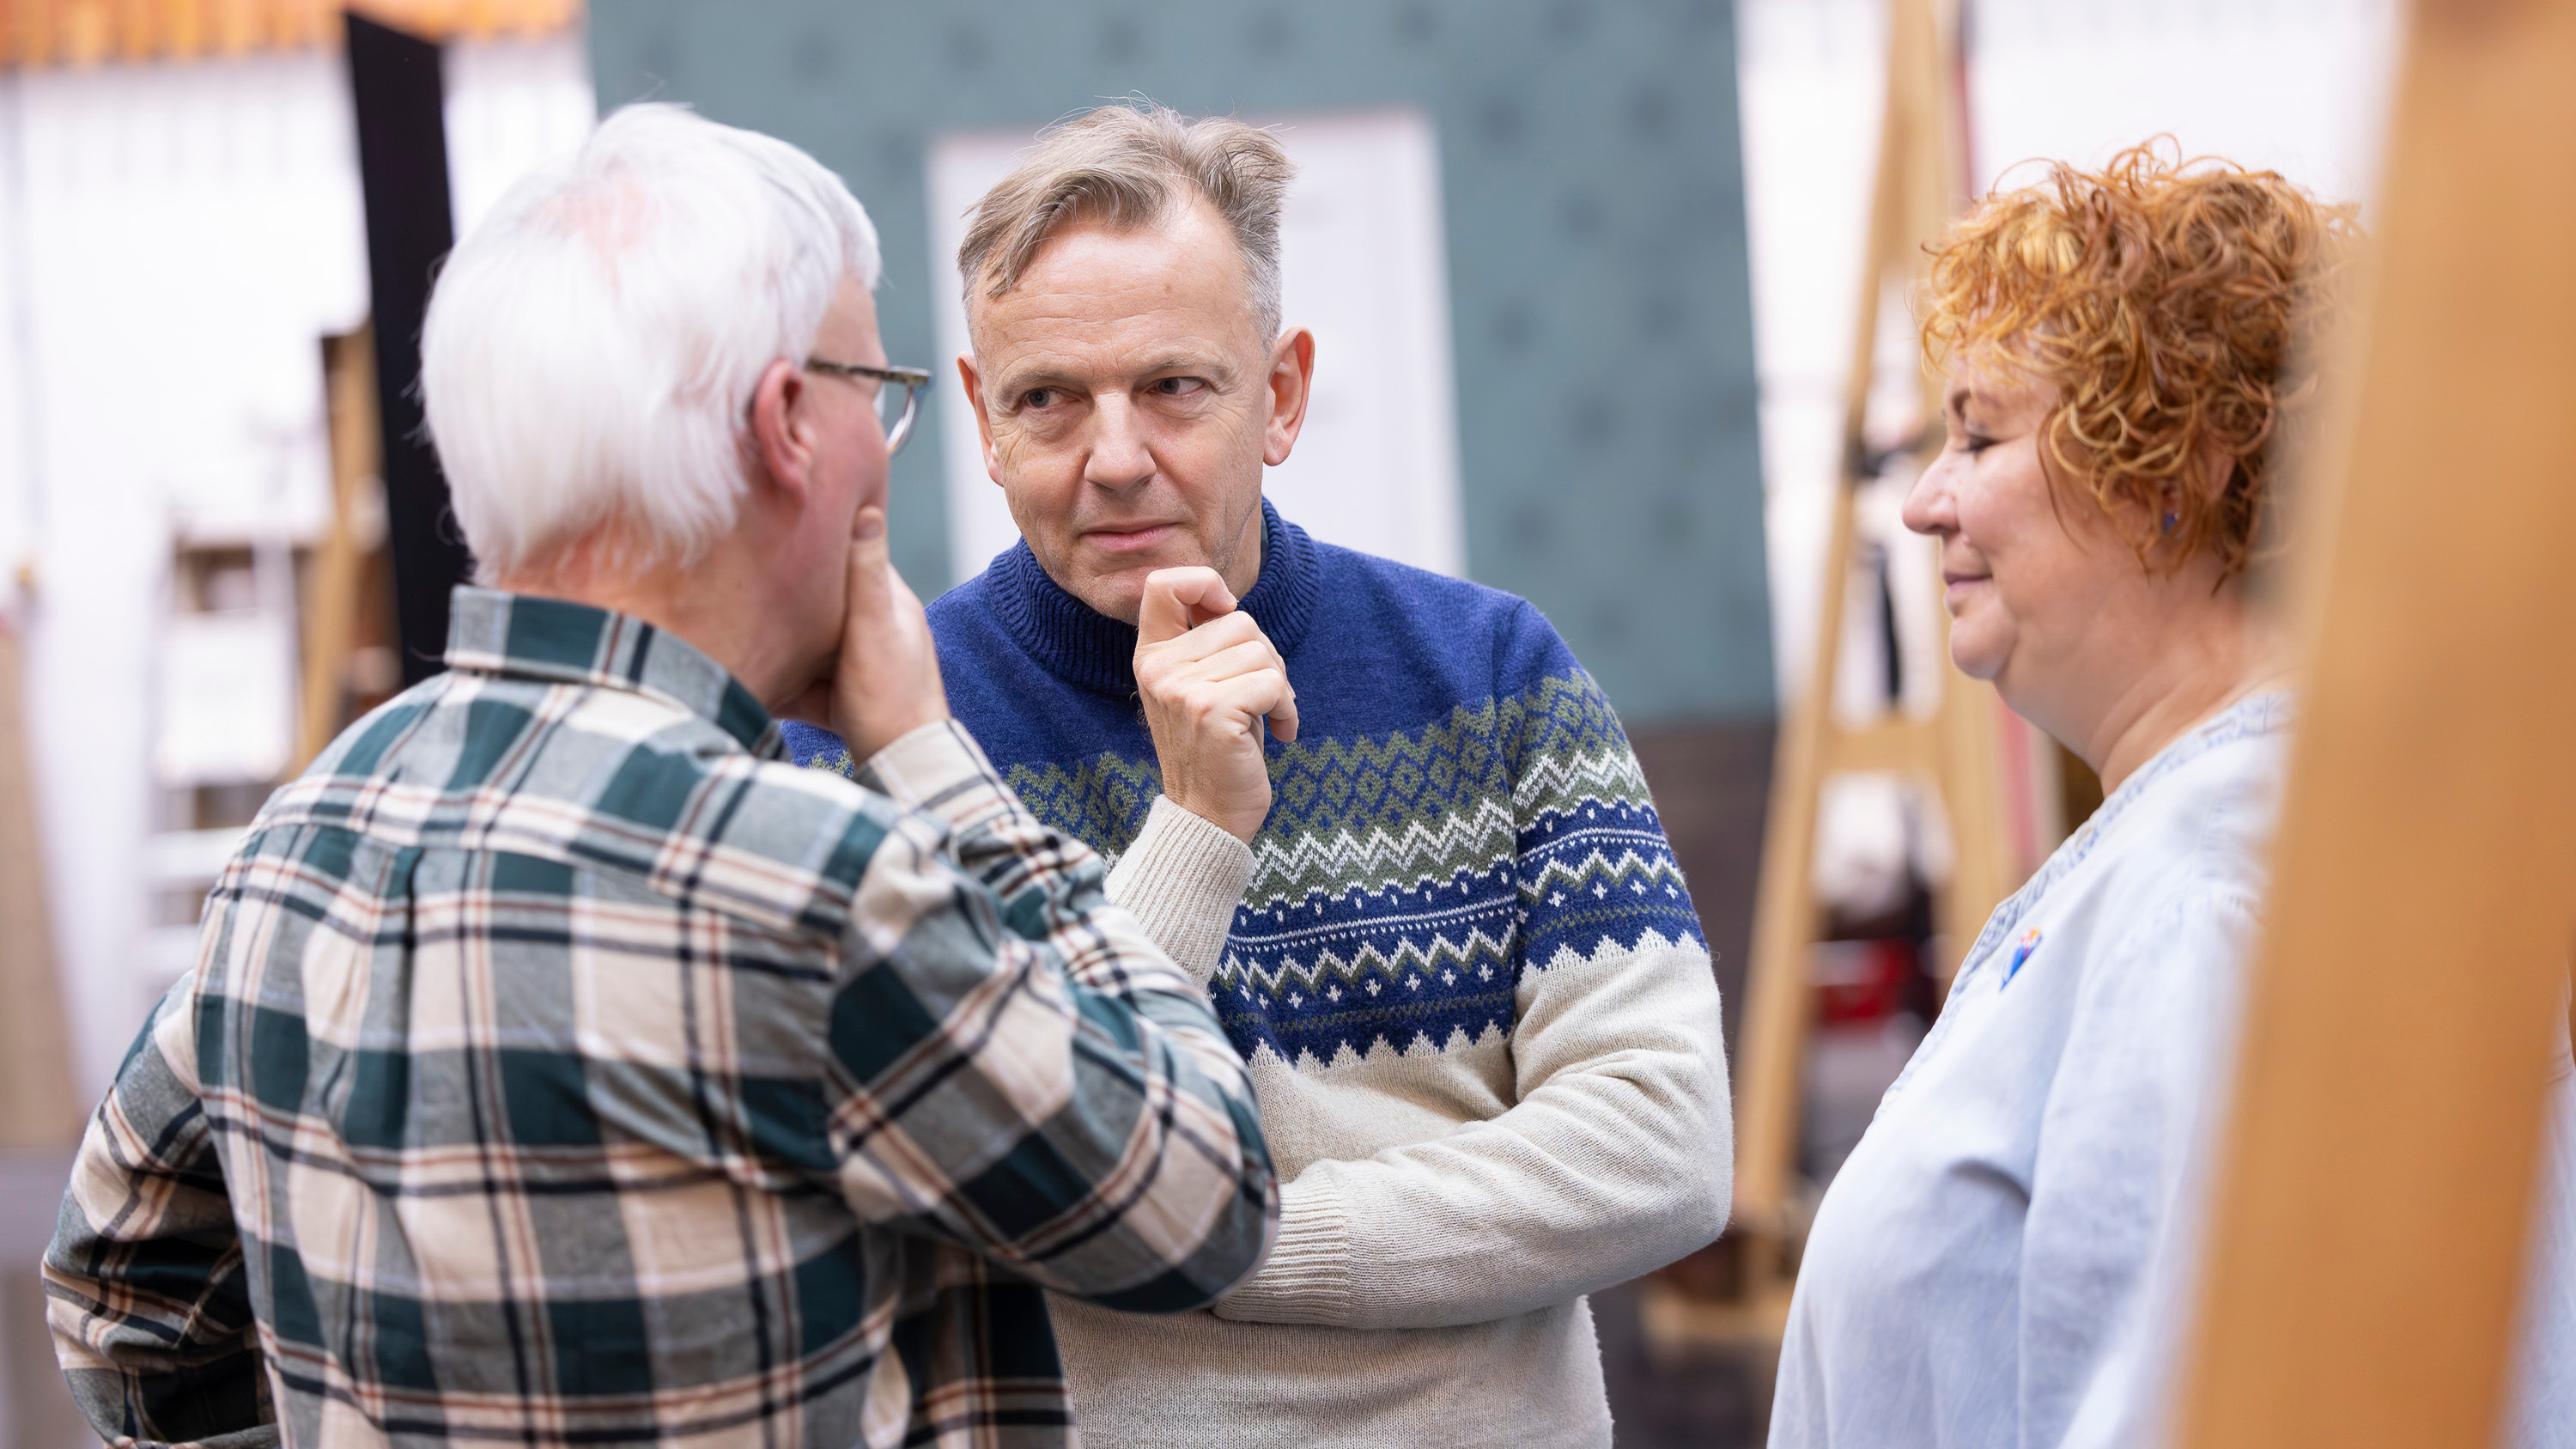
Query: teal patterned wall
1594	198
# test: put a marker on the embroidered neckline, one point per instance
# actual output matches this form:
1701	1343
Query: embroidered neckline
2254	716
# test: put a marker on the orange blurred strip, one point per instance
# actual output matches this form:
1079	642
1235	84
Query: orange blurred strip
91	32
181	32
132	29
238	27
88	30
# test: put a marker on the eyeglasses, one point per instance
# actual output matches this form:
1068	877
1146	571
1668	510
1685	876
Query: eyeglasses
897	419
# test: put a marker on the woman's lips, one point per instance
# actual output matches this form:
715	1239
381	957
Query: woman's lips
1956	586
1130	540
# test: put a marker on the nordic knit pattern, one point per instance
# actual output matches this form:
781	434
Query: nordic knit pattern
1466	974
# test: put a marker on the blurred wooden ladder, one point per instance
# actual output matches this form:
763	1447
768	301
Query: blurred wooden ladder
1954	750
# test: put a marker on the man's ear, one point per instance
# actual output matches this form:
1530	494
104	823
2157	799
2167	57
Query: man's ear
780	433
983	420
1292	381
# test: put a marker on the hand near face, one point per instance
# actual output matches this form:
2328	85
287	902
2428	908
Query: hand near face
1207	676
886	682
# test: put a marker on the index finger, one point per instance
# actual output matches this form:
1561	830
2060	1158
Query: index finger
1170	596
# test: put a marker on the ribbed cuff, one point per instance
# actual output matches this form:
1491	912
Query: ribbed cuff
937	767
1183	879
1307	1277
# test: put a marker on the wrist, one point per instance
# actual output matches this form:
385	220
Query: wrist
926	765
1182	878
1241	823
866	732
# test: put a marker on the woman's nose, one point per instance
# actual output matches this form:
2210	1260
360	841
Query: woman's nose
1927	503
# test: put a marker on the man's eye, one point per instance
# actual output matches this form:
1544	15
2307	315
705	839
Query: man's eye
1038	397
1178	386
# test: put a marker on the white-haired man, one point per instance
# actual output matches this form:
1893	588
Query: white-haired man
561	1066
1439	918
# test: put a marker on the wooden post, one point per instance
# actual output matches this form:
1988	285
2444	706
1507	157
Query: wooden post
1914	197
2376	1191
331	610
39	1103
1916	194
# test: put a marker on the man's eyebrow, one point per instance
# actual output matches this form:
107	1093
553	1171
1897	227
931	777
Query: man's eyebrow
1184	362
1048	376
1036	377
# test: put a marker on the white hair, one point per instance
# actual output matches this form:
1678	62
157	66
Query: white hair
591	349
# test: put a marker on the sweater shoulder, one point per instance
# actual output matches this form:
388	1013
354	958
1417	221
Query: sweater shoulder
1534	677
966	605
1481	629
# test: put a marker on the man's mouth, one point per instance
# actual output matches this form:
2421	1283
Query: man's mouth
1129	538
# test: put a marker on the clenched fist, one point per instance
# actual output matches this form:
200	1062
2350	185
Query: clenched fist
1208	675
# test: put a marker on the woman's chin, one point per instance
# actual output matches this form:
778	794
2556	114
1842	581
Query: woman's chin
1974	661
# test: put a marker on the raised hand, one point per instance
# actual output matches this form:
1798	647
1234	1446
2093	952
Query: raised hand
886	683
1208	675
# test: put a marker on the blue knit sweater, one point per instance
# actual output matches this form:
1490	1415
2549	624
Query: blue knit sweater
1460	805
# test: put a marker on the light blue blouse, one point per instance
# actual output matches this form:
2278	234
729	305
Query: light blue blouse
2004	1259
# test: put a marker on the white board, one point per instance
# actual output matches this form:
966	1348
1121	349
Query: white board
1365	267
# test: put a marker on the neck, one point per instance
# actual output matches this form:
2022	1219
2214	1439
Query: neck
1084	646
2197	673
1244	569
720	603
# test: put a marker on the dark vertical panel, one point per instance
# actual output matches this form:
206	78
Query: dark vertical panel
1712	787
401	94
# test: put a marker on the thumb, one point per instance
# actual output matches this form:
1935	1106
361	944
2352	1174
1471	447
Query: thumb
871	598
1175	597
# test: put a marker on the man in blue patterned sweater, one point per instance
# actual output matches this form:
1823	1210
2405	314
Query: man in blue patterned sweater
1436	910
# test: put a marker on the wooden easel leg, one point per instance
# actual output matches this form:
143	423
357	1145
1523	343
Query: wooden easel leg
2367	1255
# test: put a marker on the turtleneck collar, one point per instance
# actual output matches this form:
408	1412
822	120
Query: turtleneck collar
1090	649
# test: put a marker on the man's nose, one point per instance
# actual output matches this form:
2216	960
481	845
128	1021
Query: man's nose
1119	457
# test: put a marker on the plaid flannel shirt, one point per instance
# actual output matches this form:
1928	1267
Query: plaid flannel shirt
561	1067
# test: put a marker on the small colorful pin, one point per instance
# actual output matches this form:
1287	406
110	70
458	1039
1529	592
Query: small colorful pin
2022	948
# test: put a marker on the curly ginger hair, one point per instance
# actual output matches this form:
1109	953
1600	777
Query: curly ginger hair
2176	306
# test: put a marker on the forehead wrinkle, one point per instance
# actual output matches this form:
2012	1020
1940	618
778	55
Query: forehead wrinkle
1090	273
1080	347
1057	372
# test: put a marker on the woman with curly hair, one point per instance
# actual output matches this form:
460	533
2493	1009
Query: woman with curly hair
2004	1259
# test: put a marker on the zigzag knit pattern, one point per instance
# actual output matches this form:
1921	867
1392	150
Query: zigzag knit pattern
1406	877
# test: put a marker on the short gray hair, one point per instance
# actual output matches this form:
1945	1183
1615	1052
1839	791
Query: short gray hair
1130	165
591	346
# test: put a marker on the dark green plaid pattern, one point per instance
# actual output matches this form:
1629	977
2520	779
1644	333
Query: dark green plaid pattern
561	1066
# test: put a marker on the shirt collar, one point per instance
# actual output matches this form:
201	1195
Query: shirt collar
529	637
1088	648
2269	712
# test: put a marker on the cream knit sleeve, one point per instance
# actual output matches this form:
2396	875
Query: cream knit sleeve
1182	878
1617	1158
